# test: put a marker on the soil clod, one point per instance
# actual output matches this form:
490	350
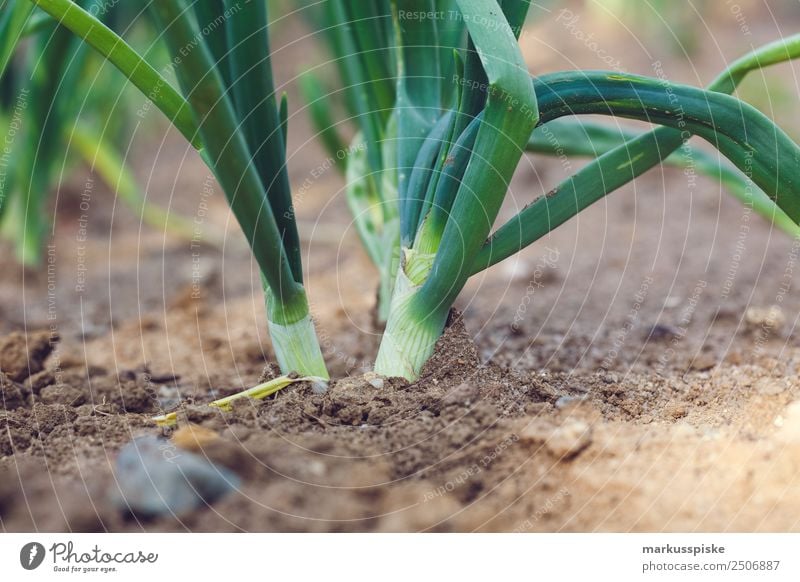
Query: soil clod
23	355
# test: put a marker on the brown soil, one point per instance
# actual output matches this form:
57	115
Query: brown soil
628	372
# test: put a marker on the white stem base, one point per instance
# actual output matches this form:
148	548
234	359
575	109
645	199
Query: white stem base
297	348
408	341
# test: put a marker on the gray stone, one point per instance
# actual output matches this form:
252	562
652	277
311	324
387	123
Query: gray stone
154	478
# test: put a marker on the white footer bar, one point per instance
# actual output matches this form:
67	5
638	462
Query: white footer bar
389	557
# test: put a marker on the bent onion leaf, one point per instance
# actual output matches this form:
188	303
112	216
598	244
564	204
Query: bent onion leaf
744	135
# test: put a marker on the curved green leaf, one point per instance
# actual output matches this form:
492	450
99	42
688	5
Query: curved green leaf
579	137
774	53
744	135
127	60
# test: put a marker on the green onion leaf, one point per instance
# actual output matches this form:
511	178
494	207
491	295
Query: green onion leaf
763	150
127	60
510	116
13	21
319	108
256	104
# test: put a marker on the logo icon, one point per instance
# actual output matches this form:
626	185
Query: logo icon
31	555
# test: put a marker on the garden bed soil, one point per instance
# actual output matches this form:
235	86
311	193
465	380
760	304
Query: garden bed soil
649	407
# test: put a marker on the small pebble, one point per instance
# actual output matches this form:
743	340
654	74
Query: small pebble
677	411
155	478
168	396
374	380
567	400
702	362
662	332
768	319
194	437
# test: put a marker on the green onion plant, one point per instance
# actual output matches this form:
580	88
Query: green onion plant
225	106
445	110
